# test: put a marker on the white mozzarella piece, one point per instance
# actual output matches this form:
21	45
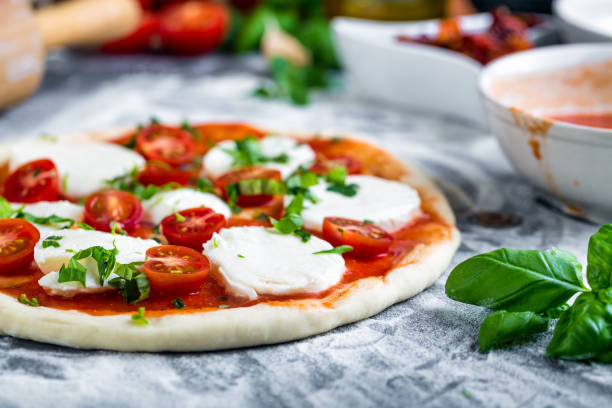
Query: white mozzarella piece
168	202
217	161
389	204
252	261
83	167
51	259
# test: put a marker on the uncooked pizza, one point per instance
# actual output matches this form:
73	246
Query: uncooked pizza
210	236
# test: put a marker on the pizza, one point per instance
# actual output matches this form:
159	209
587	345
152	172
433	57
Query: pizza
209	236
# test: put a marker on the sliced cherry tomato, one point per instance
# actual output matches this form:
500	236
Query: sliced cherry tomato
17	240
248	173
192	227
137	41
175	269
166	144
101	209
193	27
158	174
366	239
324	164
34	181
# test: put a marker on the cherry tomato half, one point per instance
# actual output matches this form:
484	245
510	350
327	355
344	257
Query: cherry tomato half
101	209
192	227
324	164
158	174
17	240
366	239
137	41
193	27
248	173
213	133
166	144
34	181
175	269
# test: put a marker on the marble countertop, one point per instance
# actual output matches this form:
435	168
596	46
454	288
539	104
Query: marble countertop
421	352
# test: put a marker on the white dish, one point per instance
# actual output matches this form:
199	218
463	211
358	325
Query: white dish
585	20
415	76
575	161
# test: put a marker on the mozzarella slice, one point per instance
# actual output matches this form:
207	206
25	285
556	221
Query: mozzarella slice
83	167
168	202
217	161
388	204
253	261
51	259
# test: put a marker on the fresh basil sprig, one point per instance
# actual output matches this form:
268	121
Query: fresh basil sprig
529	288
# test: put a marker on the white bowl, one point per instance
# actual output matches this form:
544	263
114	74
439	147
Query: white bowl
575	162
585	20
416	76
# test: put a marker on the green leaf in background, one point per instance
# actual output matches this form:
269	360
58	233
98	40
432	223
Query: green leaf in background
605	358
584	330
253	29
516	280
556	312
316	36
599	258
502	327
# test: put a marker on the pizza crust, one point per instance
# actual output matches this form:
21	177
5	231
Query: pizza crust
264	323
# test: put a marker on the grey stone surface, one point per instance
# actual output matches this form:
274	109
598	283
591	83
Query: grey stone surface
421	352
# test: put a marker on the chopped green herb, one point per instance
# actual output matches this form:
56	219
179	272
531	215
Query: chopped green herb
51	241
48	137
466	393
85	226
349	190
204	185
116	228
339	250
178	303
132	284
247	152
139	317
292	222
222	298
368	221
65	182
240	256
337	180
179	217
215	242
24	299
223	306
233	193
129	182
191	130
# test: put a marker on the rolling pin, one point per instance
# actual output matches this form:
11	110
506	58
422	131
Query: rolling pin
26	35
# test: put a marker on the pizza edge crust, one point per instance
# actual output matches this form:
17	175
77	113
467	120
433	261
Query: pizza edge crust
247	326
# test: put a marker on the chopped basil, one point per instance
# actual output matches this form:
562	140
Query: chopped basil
116	228
466	393
240	256
132	284
247	152
368	221
337	180
292	222
204	185
24	299
222	298
129	182
178	303
232	193
52	241
339	250
179	217
191	130
223	306
215	242
65	182
139	317
6	210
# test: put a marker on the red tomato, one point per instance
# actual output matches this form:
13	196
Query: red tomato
213	133
324	164
366	239
193	27
192	227
248	173
158	174
17	240
175	269
137	41
166	144
34	181
101	209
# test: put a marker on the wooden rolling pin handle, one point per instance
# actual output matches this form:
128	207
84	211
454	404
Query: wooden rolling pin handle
87	22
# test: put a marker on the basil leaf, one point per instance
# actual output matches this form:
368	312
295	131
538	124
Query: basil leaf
584	330
132	284
51	241
605	357
139	318
50	220
178	303
74	272
6	210
516	280
339	250
260	186
599	258
556	312
503	327
337	175
349	190
24	300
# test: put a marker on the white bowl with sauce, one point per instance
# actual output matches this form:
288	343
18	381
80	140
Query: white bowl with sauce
522	93
584	20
